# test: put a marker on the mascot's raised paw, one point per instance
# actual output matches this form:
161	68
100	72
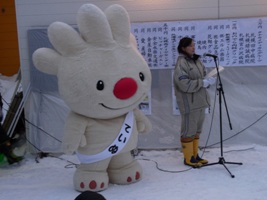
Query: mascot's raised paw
102	78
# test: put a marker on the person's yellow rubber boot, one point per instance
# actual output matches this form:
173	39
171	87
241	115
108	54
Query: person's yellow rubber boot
195	152
187	148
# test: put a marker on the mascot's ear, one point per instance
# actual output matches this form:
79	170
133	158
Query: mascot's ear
94	27
133	40
65	40
46	60
119	23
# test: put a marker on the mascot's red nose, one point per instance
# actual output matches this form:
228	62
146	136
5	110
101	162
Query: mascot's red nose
125	88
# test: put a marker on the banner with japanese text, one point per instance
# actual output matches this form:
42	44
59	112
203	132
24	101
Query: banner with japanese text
236	42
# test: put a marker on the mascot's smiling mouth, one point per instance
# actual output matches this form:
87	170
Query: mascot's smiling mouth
110	107
102	104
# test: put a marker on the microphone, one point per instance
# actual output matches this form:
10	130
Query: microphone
210	55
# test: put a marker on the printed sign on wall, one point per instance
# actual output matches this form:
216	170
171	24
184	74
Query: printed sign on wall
236	42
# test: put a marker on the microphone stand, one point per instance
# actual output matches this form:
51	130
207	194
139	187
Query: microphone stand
221	94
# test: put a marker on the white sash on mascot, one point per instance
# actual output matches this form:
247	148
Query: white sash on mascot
116	146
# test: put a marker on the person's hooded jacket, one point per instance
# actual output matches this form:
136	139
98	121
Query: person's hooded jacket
188	84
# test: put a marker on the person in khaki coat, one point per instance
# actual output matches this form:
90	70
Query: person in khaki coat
192	98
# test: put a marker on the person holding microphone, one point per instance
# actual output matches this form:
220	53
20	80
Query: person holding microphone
192	98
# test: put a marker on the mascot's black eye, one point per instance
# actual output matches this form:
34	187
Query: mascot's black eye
142	77
100	85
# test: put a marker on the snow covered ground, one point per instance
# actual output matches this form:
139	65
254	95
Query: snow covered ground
51	177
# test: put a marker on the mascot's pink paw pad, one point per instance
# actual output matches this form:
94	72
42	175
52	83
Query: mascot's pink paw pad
92	185
137	177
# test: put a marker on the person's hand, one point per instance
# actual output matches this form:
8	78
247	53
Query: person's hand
212	80
208	81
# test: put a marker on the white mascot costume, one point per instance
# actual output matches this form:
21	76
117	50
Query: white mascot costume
102	78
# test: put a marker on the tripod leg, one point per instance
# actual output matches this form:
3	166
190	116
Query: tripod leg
209	164
223	162
237	163
233	176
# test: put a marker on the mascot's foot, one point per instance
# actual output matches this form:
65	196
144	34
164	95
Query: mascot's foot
127	174
90	181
